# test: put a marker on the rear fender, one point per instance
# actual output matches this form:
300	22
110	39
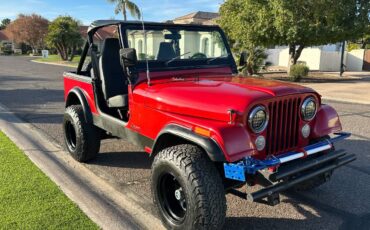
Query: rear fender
77	97
326	122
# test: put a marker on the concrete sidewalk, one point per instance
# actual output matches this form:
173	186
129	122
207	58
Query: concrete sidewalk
355	90
101	202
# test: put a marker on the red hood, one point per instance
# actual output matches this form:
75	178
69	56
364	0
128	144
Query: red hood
213	97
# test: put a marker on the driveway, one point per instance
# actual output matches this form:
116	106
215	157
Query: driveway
349	89
34	92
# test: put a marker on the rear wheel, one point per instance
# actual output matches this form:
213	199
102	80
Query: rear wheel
81	138
188	189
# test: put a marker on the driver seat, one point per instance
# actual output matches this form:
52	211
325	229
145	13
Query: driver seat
114	84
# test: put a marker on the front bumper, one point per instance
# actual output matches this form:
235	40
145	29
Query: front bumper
291	171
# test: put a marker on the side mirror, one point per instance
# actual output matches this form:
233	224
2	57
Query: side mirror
243	58
128	57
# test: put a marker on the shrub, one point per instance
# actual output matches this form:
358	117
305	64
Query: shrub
298	71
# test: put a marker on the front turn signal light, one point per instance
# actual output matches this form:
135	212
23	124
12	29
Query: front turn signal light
202	131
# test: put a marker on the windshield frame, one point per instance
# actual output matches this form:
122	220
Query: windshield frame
179	64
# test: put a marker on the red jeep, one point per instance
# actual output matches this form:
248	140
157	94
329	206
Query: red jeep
174	90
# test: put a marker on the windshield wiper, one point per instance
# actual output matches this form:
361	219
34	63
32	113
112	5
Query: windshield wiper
175	58
216	58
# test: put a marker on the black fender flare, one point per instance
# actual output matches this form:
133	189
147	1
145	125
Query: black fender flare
209	145
77	92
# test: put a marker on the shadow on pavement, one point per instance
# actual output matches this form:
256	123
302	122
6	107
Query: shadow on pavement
35	105
136	160
4	79
349	220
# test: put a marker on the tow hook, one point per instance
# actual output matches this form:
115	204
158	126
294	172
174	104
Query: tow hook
273	199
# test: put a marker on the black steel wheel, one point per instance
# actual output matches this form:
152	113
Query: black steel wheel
187	189
172	198
71	139
81	138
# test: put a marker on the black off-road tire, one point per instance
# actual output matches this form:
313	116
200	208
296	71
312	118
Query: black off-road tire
201	187
81	138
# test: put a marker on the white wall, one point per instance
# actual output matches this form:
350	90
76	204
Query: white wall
355	60
330	61
273	56
311	56
318	59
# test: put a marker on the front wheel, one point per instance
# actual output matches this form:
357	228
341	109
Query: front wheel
187	189
81	138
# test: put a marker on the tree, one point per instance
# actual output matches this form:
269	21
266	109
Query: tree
296	23
124	6
29	29
64	35
4	23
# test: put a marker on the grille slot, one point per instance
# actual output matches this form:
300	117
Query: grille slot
283	128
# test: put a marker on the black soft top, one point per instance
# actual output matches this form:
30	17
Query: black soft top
103	23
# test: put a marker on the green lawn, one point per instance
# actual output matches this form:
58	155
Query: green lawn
58	60
29	199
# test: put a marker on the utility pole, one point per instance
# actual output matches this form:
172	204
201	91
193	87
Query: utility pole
342	59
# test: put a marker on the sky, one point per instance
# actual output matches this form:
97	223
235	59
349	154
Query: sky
89	10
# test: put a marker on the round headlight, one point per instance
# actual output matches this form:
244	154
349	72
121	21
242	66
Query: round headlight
308	109
258	119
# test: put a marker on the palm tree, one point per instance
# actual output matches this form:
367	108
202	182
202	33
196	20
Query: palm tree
126	5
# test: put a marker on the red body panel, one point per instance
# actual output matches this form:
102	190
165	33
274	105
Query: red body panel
326	122
87	89
203	100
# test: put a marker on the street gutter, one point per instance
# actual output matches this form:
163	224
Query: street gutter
102	203
52	63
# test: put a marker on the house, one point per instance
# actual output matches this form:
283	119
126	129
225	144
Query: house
6	46
100	35
201	43
200	17
204	43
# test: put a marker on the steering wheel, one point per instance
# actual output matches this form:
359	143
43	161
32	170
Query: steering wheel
199	56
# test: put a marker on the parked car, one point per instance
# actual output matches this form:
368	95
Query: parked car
209	130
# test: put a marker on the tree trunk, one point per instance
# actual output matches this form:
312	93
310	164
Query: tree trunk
124	12
250	70
73	50
294	55
64	52
363	45
34	51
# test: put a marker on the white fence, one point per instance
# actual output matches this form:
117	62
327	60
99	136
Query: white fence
355	60
317	59
330	61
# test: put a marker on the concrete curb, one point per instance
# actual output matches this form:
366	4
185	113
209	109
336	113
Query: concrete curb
348	101
102	203
51	63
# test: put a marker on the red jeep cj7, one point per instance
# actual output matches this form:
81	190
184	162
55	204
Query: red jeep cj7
174	90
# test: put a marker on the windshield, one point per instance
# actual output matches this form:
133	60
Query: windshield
175	47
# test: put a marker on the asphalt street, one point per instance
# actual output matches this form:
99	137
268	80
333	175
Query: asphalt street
34	92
